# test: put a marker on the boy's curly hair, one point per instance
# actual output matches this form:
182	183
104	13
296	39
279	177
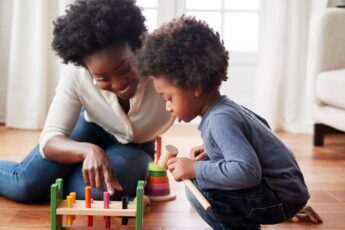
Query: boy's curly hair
90	25
187	52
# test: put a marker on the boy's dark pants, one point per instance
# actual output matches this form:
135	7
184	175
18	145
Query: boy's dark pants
245	208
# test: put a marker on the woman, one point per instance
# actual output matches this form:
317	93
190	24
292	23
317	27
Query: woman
103	119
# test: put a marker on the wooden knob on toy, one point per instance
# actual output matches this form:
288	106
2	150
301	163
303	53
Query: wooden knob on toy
171	151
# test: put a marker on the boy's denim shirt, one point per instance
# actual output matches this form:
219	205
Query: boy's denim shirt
242	151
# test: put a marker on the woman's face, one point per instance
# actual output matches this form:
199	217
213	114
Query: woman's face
111	69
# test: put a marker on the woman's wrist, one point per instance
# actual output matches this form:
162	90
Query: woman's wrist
84	150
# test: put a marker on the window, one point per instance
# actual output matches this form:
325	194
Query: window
235	20
150	8
237	23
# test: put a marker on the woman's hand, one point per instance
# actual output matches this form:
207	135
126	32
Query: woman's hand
182	168
97	169
198	153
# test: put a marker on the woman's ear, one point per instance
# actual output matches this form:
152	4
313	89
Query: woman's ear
198	91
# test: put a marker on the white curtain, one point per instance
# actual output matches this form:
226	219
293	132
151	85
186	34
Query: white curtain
281	80
5	22
29	68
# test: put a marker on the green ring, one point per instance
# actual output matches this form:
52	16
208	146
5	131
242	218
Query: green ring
155	167
159	174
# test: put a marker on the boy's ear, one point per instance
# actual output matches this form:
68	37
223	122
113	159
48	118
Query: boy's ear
198	91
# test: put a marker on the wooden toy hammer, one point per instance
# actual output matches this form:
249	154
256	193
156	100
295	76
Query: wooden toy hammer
171	151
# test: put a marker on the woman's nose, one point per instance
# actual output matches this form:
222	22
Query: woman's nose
117	84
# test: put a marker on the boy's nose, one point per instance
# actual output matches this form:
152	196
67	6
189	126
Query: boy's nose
168	106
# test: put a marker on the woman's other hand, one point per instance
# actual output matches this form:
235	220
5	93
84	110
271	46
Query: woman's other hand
96	170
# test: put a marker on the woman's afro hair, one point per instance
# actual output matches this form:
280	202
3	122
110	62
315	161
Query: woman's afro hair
91	25
187	52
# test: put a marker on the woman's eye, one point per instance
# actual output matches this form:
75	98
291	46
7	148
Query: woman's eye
101	79
124	70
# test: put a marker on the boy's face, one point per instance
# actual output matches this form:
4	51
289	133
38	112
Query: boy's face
185	105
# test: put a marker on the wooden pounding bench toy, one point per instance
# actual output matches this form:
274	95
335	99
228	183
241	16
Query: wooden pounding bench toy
72	207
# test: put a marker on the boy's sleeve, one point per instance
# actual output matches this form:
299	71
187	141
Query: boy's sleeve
237	165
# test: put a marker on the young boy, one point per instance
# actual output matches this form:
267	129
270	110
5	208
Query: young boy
249	176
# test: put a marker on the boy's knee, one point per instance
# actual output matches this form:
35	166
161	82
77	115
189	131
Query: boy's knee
194	202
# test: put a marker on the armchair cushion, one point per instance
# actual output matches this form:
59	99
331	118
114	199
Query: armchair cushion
330	88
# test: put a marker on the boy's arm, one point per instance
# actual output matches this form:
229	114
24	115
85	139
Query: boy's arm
234	163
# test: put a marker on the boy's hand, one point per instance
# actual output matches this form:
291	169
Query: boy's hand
182	168
198	153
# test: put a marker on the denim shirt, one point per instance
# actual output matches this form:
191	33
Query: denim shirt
242	151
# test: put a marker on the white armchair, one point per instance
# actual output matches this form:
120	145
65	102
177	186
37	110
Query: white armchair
326	71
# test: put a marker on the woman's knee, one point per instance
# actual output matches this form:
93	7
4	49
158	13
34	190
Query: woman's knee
28	191
125	158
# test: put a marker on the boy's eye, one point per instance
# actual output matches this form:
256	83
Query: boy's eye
166	98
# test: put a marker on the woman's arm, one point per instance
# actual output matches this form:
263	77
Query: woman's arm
55	143
62	149
96	170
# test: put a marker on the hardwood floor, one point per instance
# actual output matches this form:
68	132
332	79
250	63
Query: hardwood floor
323	168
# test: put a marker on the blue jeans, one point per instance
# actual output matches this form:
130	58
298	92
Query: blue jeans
30	180
245	208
